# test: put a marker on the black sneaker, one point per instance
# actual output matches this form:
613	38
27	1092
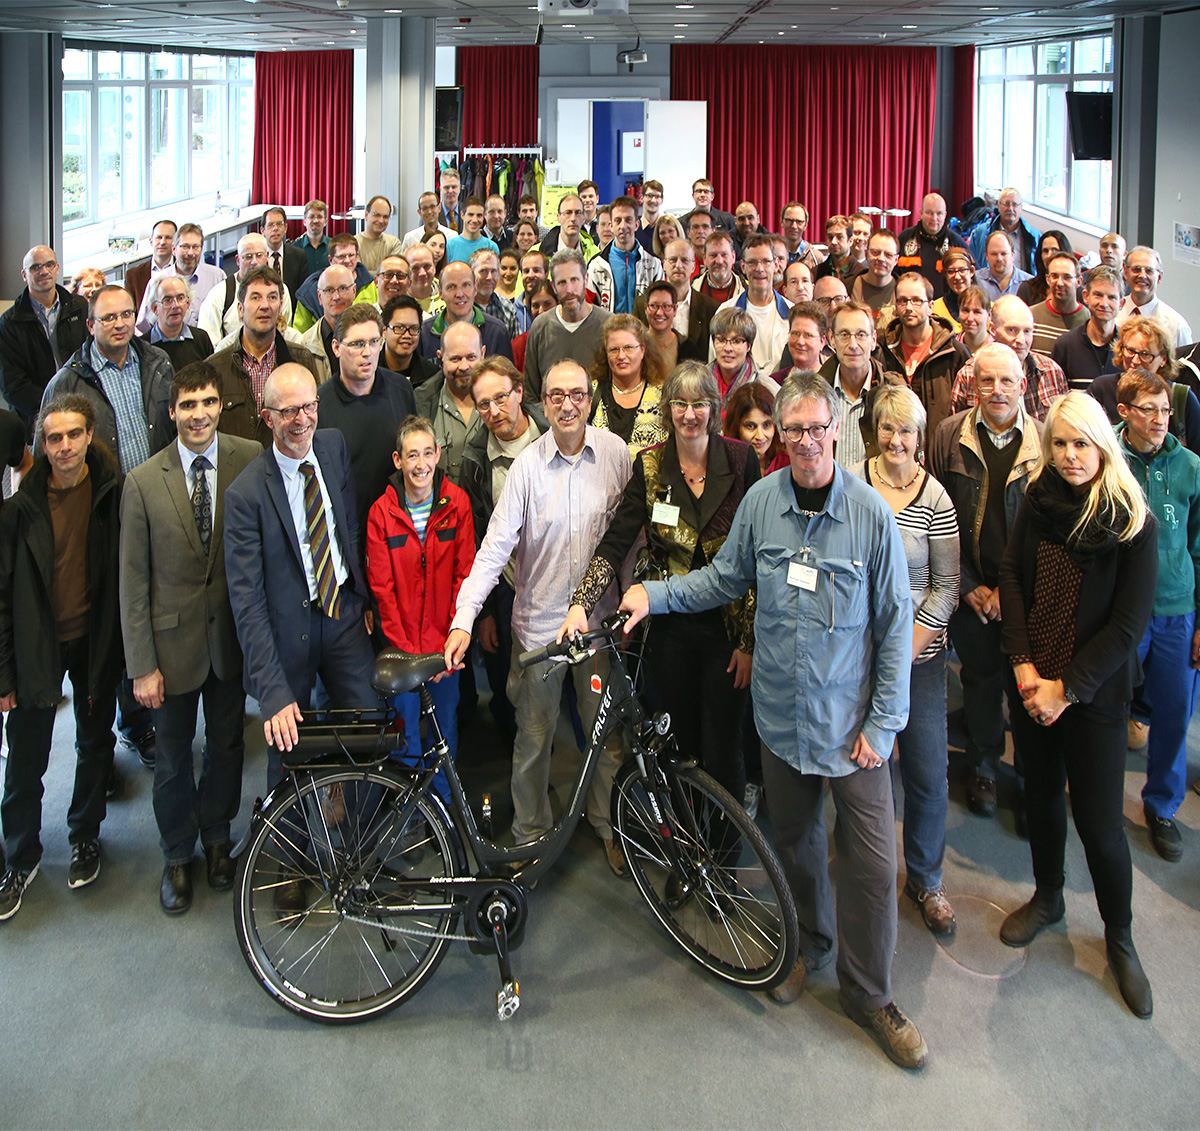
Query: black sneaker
143	745
12	887
85	863
1164	835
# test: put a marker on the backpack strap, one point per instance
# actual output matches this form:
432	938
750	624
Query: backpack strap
1179	393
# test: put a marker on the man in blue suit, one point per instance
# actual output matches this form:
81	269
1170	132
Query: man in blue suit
291	557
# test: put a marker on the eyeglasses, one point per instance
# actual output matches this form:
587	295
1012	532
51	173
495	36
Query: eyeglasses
617	351
890	430
498	401
309	408
795	432
958	271
1004	384
344	289
394	276
1152	412
116	316
1142	270
833	300
859	336
570	212
910	301
49	265
363	344
730	341
1059	277
770	262
172	300
803	336
405	331
660	308
578	396
696	406
1144	356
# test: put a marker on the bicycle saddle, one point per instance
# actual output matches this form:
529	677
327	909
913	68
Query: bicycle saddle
397	672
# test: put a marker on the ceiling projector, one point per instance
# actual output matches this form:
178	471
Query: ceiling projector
584	7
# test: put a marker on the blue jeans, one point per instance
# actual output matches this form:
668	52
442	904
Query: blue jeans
1169	693
921	749
445	706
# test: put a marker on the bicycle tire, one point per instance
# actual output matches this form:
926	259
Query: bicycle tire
734	912
308	955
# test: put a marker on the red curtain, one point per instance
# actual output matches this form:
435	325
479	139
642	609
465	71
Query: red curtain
303	129
833	127
962	170
500	95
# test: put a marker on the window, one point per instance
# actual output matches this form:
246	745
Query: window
145	130
1023	138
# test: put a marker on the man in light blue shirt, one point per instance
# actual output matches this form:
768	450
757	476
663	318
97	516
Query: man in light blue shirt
830	692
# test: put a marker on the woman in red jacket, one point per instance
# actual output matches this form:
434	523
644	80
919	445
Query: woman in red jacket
420	546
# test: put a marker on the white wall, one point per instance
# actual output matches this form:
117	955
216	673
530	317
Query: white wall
446	66
589	71
1178	159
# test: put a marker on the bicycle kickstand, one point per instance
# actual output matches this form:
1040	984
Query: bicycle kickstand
508	997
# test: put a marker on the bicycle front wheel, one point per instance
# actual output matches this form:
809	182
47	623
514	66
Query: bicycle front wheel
709	875
326	913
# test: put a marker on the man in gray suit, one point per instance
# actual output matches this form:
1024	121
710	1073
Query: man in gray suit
180	639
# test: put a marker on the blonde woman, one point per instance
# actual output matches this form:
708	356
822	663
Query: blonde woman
627	384
1077	587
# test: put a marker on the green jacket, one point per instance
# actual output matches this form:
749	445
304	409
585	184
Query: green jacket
1170	480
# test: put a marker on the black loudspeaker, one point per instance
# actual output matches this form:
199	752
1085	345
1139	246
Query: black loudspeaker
447	118
1090	119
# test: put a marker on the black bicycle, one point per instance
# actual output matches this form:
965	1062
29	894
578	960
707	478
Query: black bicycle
354	876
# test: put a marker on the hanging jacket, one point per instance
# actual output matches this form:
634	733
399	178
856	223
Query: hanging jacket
416	583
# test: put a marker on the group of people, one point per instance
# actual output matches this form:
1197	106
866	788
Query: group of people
836	462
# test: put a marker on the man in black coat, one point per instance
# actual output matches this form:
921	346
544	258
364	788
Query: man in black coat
38	334
59	614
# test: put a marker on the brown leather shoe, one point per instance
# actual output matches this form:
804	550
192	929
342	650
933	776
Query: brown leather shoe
792	986
934	907
1139	734
899	1038
615	858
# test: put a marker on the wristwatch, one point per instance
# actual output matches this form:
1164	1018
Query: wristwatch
1070	695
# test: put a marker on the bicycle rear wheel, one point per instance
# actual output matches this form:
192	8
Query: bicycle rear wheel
709	875
324	915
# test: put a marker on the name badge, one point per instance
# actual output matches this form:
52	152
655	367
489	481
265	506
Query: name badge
665	514
802	576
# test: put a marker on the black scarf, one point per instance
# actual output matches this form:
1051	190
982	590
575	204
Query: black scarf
1054	509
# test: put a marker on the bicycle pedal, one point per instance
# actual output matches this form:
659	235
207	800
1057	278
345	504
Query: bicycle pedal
508	1000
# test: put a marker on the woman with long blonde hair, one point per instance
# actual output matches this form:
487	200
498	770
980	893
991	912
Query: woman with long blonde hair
1077	587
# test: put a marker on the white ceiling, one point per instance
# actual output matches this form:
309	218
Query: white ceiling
264	25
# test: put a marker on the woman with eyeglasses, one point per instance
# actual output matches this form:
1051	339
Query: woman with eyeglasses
929	529
1077	587
627	384
667	345
733	332
1143	343
958	274
683	495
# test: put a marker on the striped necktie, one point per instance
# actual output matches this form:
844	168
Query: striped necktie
318	541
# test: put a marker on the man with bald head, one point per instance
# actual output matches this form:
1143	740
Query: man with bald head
1112	250
983	457
219	312
458	290
923	245
292	562
335	291
1011	324
38	333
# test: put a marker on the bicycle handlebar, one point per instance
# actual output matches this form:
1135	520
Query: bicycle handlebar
575	645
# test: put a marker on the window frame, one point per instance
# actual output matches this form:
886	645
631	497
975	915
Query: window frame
1040	196
241	79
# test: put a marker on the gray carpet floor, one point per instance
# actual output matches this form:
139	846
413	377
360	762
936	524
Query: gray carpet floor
114	1015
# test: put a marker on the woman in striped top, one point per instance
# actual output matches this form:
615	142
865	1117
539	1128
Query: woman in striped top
929	529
